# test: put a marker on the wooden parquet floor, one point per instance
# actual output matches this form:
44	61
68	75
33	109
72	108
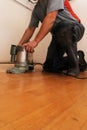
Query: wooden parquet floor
42	101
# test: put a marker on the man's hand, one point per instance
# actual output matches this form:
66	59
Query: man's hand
29	46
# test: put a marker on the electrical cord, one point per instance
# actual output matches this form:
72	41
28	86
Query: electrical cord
38	63
77	77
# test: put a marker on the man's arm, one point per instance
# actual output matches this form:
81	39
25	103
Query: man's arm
27	35
45	28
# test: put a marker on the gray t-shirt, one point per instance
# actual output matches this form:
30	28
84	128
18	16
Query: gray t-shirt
45	6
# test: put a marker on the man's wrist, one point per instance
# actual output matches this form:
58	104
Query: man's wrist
36	42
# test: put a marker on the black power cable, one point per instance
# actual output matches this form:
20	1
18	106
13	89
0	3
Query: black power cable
77	77
38	63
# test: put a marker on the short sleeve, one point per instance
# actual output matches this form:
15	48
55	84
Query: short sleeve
55	5
34	20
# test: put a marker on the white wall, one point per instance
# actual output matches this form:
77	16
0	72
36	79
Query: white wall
13	21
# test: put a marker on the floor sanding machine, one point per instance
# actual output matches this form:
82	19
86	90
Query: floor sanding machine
22	60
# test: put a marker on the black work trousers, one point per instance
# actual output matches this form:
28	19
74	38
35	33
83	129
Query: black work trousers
64	40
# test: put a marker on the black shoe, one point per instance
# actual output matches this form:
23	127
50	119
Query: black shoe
73	72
